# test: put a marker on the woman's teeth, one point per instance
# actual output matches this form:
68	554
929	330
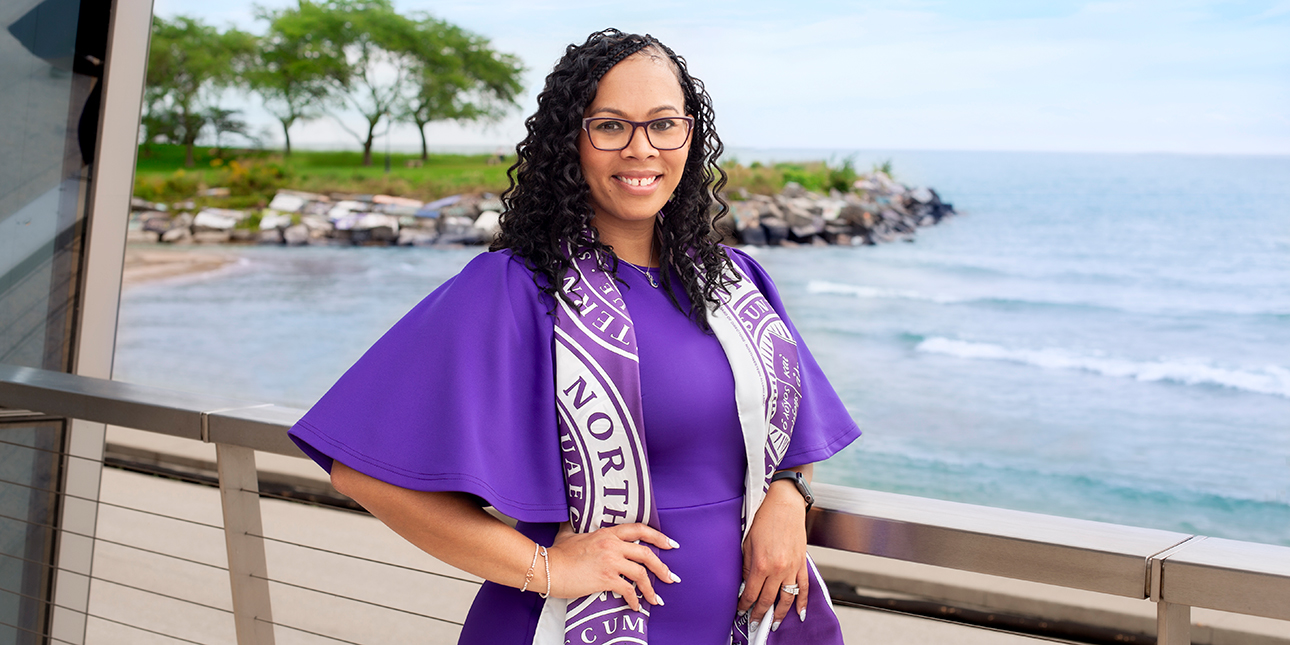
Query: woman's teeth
638	181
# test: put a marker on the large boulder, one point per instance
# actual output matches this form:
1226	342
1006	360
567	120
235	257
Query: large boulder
417	237
754	235
345	207
317	224
396	206
489	224
216	219
776	230
296	235
375	228
803	218
178	235
294	201
458	230
155	222
726	228
270	236
273	219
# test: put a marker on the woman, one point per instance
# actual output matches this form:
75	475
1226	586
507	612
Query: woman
625	388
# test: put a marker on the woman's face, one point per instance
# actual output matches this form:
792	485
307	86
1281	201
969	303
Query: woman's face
630	186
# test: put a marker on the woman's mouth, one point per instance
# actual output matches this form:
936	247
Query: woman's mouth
639	182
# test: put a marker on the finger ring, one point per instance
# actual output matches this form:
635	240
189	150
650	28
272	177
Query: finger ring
791	589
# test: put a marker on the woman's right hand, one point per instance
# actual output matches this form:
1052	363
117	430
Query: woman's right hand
607	559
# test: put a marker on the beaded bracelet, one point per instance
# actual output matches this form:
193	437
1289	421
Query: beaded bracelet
547	561
528	576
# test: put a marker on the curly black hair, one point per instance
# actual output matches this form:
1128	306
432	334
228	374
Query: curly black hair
547	202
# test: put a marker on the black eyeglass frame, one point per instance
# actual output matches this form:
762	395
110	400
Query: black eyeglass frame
689	129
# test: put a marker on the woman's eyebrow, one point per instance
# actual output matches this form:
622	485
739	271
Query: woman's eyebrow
615	111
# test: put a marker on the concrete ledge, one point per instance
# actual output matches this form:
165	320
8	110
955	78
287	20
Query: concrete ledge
1134	620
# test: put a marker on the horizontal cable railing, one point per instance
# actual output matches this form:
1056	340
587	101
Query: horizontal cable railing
1175	570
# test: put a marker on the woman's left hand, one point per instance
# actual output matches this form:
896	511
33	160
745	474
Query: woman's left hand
775	555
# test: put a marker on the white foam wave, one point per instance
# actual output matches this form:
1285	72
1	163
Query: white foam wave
822	286
1271	379
1124	304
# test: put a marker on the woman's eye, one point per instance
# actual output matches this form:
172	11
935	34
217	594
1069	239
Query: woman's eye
663	126
609	126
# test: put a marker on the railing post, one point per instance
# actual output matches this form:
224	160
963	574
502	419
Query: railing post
247	569
1173	624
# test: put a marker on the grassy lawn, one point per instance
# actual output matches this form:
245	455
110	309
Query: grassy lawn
253	176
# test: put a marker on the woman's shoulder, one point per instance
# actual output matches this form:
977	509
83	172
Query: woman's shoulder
496	274
495	264
494	289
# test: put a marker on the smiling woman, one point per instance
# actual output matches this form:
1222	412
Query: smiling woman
616	416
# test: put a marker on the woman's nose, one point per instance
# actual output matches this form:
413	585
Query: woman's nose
639	145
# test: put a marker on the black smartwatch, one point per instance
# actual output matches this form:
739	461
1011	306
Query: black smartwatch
799	481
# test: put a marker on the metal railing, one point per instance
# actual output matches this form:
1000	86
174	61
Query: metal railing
1176	571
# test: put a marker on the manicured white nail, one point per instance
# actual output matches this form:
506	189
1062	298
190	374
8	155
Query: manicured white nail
752	627
675	578
658	599
774	627
741	589
673	543
802	614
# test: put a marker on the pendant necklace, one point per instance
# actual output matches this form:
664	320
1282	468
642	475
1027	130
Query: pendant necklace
653	281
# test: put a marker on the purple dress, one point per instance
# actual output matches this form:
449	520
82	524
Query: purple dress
459	396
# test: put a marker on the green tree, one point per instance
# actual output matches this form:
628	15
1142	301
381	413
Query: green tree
378	44
298	68
457	76
189	63
225	122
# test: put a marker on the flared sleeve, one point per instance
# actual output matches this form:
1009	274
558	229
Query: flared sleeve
823	424
458	396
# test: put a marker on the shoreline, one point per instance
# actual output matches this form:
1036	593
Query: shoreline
146	263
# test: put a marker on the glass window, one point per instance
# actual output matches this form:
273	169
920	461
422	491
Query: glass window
51	55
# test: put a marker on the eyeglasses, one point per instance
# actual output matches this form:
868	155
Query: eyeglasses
609	134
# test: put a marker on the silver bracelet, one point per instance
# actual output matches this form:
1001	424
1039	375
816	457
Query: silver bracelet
547	561
528	576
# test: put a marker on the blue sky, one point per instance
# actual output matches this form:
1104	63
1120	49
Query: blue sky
1185	76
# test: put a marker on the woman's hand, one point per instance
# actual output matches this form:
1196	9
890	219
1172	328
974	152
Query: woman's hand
453	528
607	559
775	555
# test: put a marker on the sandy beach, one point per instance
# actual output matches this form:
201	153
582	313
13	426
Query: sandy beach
151	263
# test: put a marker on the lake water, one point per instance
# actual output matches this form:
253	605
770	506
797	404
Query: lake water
1097	336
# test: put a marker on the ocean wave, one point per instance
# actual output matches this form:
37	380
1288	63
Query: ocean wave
1180	307
1271	379
821	286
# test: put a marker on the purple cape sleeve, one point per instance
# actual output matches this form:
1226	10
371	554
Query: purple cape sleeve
823	424
458	396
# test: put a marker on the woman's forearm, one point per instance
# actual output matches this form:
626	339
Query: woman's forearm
449	526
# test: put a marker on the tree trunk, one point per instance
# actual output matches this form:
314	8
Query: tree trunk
367	145
190	135
286	135
425	152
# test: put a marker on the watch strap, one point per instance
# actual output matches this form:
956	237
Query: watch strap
800	482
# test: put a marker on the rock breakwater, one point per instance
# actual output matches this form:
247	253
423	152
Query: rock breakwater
877	209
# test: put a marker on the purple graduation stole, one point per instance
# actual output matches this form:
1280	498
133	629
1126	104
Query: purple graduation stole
602	440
